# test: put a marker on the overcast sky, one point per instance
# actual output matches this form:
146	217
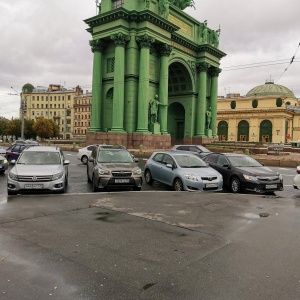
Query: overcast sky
44	42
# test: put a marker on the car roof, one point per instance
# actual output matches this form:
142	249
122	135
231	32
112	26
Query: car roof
42	148
175	153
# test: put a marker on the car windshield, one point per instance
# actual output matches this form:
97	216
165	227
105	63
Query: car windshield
190	161
203	149
39	158
114	156
243	161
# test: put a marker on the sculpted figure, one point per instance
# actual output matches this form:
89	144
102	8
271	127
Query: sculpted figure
215	37
208	118
164	8
205	32
147	3
153	109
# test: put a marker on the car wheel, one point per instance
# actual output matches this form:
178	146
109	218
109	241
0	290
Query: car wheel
137	188
148	177
84	159
88	177
9	192
235	185
94	186
178	185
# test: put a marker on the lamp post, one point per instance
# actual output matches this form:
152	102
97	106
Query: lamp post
23	107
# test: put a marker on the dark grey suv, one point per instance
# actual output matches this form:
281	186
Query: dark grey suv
113	166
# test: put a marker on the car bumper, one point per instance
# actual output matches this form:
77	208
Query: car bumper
108	182
209	186
17	186
264	187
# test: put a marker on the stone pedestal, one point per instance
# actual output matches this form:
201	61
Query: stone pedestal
208	133
155	128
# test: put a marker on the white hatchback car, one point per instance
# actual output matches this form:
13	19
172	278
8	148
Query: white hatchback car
84	153
296	184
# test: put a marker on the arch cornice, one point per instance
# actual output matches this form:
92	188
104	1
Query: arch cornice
132	16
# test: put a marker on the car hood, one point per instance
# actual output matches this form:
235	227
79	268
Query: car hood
258	171
36	170
205	171
117	166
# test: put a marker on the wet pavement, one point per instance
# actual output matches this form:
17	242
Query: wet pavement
149	245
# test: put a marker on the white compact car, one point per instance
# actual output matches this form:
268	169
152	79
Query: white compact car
297	179
84	153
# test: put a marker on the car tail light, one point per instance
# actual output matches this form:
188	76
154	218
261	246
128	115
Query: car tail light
298	171
146	160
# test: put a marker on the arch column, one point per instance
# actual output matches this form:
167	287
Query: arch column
201	101
119	82
98	47
145	42
165	51
214	72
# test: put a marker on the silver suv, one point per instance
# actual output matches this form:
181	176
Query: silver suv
38	168
113	166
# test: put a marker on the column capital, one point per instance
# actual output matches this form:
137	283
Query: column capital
202	67
145	40
214	72
120	39
98	45
164	50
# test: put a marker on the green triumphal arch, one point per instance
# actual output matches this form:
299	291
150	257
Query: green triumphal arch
155	74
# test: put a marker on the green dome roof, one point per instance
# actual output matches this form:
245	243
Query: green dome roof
270	89
27	88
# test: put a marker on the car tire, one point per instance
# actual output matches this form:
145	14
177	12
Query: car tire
148	177
178	185
9	192
88	177
235	185
94	186
84	159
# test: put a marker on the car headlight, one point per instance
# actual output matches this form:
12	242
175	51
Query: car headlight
5	161
191	177
251	178
57	176
280	176
103	172
137	172
13	176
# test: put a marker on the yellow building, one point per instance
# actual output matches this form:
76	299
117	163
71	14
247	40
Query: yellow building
268	113
82	114
54	102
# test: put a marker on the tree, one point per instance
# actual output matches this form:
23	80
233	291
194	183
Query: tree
3	126
14	128
55	128
28	129
43	128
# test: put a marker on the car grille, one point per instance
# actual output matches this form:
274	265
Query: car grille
209	178
273	178
121	173
34	178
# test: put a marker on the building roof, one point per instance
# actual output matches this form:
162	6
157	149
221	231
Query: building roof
270	89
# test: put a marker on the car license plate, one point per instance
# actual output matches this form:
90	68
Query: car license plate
33	186
211	185
271	186
121	180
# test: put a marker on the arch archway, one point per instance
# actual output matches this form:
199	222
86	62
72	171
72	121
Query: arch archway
243	131
265	131
180	101
176	122
223	131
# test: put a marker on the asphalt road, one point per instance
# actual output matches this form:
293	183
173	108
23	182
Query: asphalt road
153	244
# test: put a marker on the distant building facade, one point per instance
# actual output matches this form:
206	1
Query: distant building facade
53	102
82	114
268	113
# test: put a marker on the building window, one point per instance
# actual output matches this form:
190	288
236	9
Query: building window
118	3
37	98
110	65
69	97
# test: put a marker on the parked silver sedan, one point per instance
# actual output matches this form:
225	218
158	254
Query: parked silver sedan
182	171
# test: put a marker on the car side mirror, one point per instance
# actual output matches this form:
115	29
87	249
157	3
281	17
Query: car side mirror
227	166
66	162
12	162
136	160
90	159
169	166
